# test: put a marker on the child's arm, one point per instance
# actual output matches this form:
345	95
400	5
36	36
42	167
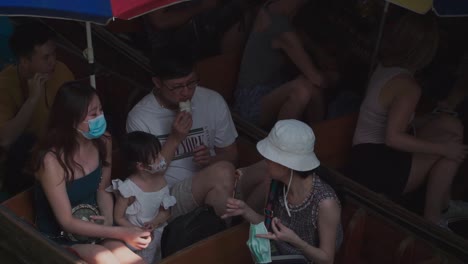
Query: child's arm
159	219
121	205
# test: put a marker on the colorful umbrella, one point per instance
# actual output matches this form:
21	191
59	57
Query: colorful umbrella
449	8
96	11
89	11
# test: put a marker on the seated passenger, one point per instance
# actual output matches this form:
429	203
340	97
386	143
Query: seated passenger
72	170
267	89
143	198
306	210
27	91
196	130
389	155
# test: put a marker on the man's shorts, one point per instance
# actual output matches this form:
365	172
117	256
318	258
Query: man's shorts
182	191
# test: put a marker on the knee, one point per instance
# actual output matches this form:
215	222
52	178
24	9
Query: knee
304	91
100	254
105	256
224	174
452	127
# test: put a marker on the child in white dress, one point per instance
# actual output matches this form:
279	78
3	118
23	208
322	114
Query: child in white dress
143	198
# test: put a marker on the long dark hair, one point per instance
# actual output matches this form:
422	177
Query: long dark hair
138	146
69	109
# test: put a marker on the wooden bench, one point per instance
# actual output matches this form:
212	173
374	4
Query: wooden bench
22	205
227	247
219	73
334	139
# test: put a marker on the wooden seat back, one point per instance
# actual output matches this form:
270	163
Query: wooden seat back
219	73
353	236
334	139
227	247
22	205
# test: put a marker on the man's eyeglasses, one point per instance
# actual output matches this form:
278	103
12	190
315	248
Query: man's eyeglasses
178	87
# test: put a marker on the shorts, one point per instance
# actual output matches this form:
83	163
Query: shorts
247	99
380	168
186	203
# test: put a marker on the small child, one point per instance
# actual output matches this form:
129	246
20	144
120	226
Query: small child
143	197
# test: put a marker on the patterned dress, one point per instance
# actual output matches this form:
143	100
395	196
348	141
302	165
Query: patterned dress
304	217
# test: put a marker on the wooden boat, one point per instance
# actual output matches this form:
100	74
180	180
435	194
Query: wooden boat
376	229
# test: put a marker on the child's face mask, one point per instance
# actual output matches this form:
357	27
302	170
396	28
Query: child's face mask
259	247
158	166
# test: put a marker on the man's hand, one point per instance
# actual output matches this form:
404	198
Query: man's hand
36	85
201	155
181	125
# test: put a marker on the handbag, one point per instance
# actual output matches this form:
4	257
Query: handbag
83	212
190	228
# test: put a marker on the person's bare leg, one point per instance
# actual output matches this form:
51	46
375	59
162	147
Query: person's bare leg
213	185
436	170
444	170
122	252
94	254
316	108
254	185
438	188
288	101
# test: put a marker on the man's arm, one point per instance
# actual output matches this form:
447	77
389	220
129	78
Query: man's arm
13	128
180	128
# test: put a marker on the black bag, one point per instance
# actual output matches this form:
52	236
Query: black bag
190	228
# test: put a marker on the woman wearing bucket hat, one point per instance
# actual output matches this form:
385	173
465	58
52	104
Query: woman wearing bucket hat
306	210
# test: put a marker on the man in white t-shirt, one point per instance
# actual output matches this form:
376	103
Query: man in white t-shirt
198	142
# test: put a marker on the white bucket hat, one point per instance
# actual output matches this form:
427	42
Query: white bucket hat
291	144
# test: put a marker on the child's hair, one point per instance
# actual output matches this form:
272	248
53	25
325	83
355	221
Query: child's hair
138	146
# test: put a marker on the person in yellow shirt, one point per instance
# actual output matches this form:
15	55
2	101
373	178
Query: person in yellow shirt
27	90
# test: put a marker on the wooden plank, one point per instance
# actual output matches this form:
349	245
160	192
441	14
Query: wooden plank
27	245
227	247
22	205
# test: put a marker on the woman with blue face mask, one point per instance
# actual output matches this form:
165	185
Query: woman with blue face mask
72	168
142	196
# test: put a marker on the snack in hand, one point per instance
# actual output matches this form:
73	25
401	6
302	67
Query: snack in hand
185	106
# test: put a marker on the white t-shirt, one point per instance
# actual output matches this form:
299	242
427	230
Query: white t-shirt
212	126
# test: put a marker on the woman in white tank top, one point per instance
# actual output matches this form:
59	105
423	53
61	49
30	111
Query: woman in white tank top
390	157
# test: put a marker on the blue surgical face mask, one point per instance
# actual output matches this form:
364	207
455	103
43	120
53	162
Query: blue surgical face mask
97	127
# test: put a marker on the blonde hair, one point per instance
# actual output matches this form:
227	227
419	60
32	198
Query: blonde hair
411	43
